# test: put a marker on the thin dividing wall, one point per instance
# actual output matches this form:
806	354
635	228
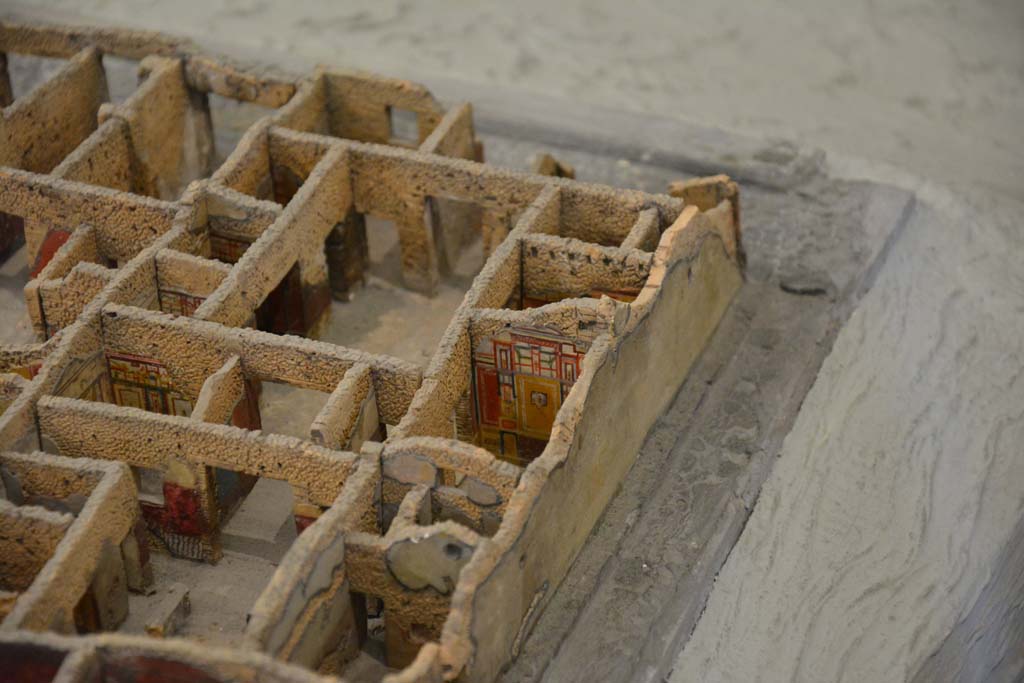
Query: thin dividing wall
184	281
463	482
107	518
75	274
75	368
124	223
266	357
37	131
152	144
170	129
152	440
305	613
447	379
556	267
320	204
105	159
60	302
412	569
28	538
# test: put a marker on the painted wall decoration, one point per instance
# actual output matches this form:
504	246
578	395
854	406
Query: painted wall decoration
28	371
144	383
53	241
84	378
520	378
178	303
227	249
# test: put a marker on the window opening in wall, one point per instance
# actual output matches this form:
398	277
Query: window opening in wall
122	77
456	225
28	72
404	126
150	483
231	118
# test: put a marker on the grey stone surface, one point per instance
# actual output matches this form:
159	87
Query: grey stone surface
936	86
895	502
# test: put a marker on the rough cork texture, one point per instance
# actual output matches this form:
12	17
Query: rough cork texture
167	290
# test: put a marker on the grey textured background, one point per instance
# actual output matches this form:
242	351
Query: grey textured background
935	86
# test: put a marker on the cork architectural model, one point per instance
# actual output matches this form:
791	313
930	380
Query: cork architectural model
434	508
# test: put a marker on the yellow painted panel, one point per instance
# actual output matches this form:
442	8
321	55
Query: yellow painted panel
539	400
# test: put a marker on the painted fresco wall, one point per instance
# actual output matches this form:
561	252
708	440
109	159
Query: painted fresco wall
84	378
145	383
227	249
178	303
520	378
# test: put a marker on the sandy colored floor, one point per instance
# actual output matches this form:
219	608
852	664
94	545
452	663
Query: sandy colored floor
936	86
220	595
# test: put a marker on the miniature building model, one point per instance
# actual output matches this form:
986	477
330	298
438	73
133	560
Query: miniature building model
444	502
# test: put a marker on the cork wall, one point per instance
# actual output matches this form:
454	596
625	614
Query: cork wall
167	289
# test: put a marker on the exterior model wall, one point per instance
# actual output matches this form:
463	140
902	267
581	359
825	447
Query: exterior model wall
358	105
585	461
438	500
